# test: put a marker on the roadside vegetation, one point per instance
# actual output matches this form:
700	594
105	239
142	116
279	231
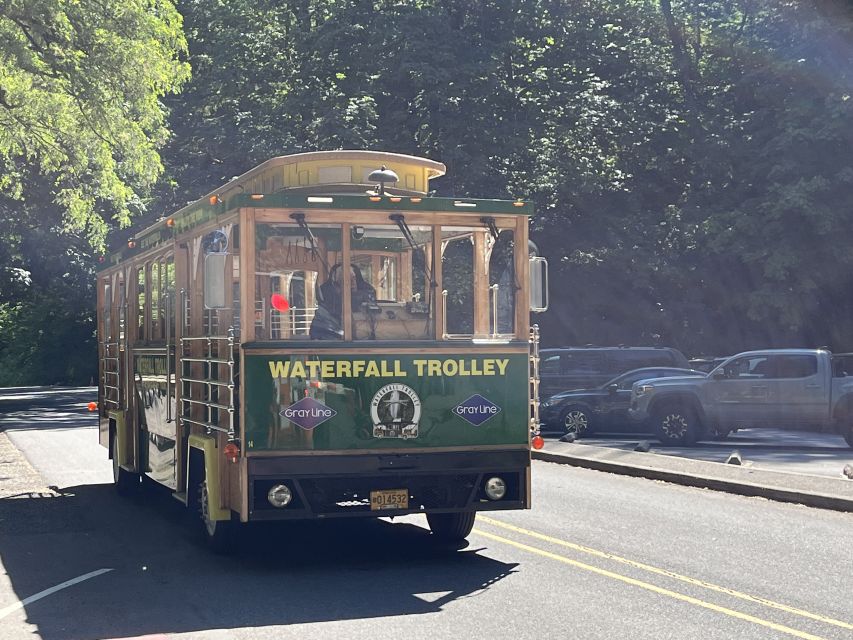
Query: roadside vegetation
690	160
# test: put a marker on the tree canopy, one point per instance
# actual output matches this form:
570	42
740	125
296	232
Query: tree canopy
689	159
80	90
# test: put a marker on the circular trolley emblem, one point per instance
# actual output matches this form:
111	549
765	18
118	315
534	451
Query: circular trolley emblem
396	410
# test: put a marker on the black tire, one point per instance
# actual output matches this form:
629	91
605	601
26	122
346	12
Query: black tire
125	482
848	434
720	434
451	527
576	419
676	424
220	535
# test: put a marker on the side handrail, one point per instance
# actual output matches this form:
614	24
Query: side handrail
208	359
494	289
534	380
168	309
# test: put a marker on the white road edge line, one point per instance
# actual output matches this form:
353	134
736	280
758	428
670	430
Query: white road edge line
43	594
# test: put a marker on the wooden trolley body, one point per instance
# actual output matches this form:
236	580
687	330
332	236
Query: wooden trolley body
222	401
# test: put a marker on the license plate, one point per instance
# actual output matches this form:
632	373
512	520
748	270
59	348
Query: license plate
389	499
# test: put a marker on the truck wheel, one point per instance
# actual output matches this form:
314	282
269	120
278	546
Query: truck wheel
576	419
220	535
848	434
451	527
676	424
125	482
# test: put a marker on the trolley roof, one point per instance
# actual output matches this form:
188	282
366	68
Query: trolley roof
324	180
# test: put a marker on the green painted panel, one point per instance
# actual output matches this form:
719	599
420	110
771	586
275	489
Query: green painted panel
384	402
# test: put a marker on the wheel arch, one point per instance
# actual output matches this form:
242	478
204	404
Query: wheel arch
685	399
843	407
202	464
582	404
120	428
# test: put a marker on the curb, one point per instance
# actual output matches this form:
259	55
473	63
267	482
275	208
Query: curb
685	478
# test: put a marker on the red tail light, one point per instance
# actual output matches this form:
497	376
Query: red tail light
232	452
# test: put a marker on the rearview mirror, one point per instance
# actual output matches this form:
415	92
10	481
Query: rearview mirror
214	280
538	284
612	388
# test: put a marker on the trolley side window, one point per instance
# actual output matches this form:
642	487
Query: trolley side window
141	286
479	283
503	283
156	327
106	310
457	279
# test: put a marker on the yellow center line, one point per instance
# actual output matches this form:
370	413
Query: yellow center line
651	587
670	574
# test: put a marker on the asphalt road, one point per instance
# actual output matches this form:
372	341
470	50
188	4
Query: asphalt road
599	556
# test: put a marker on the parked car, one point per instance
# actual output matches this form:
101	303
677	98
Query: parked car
706	364
567	368
605	407
807	389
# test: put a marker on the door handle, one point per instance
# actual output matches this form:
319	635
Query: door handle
813	386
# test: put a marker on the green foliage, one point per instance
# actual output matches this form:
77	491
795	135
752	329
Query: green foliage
47	296
80	89
689	159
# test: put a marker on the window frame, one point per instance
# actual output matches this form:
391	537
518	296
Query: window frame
249	217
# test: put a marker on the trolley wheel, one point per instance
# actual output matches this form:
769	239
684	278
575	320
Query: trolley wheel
125	482
220	535
451	527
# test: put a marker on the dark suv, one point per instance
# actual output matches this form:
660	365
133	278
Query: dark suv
570	368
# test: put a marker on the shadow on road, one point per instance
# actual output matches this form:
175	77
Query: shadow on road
166	581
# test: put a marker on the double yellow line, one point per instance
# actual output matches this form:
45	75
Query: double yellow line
658	571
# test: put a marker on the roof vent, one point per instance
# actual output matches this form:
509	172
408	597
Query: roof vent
382	176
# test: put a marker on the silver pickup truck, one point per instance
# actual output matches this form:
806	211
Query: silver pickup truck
807	389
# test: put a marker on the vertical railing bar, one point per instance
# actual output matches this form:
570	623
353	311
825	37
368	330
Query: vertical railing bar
534	380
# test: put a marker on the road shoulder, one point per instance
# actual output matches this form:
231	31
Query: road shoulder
814	491
18	478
